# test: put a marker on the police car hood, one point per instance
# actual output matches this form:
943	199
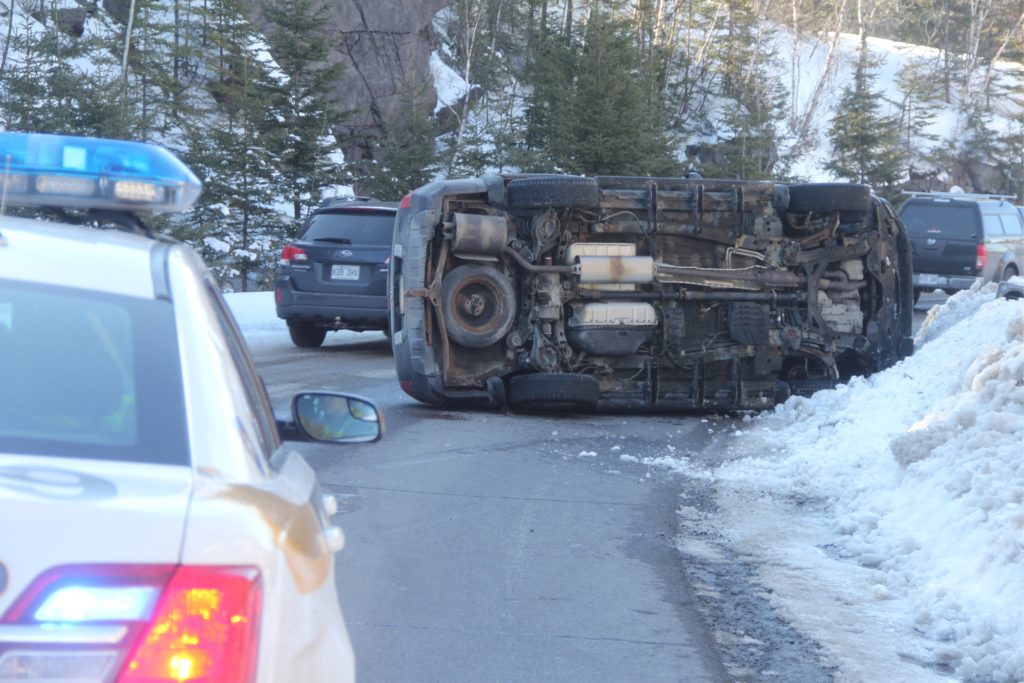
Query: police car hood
61	511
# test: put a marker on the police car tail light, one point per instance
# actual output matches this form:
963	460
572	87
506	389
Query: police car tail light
292	253
134	624
204	628
76	622
981	258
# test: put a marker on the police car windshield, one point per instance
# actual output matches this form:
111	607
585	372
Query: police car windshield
352	227
89	375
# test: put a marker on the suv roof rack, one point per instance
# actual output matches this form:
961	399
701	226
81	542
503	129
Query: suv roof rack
962	195
330	201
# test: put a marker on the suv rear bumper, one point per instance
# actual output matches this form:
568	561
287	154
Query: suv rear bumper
935	281
332	310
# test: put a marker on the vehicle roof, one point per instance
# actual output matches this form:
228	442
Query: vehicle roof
343	203
50	253
948	200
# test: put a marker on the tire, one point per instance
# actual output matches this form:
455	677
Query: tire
1008	272
554	390
306	335
809	387
917	294
853	201
478	304
553	191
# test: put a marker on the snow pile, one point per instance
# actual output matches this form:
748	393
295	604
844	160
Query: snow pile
257	318
921	468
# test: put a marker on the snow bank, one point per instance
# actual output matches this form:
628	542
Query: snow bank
256	315
921	470
257	318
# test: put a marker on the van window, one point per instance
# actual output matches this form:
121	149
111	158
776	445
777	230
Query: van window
993	226
940	220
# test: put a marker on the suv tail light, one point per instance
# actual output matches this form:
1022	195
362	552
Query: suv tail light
150	623
981	258
292	253
406	201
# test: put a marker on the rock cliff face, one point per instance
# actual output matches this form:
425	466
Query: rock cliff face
385	46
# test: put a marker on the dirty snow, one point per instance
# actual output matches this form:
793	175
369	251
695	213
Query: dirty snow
887	514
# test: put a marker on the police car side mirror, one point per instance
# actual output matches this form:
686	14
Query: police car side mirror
332	417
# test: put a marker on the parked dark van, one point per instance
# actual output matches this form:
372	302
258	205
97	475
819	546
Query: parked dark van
957	238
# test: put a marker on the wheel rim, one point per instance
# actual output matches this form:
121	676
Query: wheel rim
477	306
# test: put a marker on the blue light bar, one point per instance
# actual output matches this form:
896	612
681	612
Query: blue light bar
92	173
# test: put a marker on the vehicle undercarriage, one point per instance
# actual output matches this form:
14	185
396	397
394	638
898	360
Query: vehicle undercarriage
644	293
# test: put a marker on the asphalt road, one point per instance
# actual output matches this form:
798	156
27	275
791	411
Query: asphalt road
495	547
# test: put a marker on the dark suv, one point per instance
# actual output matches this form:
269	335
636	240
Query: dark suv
958	238
334	275
665	294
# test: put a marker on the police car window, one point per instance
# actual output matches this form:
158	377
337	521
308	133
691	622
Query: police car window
355	227
89	375
259	404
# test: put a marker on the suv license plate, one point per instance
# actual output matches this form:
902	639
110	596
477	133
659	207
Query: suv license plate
344	272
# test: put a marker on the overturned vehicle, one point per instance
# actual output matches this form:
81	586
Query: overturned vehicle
653	294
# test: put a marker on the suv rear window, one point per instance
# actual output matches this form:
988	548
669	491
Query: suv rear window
939	219
351	227
89	375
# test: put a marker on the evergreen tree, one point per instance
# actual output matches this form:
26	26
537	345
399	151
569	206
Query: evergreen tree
918	106
239	230
590	112
865	141
302	139
752	100
44	86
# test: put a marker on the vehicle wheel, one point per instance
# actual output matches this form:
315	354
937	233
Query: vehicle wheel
917	293
559	191
852	201
1010	271
306	335
555	390
478	304
809	387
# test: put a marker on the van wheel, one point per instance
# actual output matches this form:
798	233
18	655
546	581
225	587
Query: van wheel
554	390
306	335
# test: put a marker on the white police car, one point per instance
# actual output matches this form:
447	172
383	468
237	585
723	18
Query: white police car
152	525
